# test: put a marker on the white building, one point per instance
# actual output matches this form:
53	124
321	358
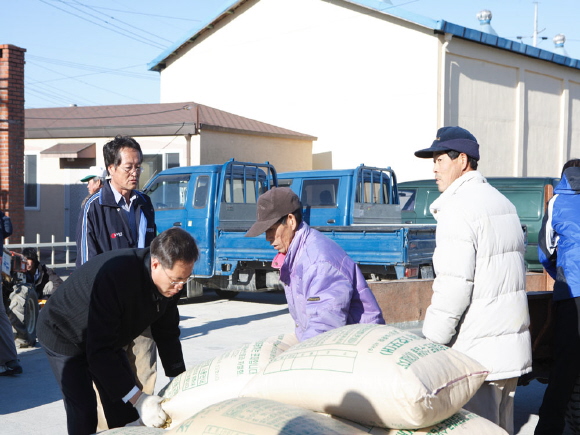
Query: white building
375	85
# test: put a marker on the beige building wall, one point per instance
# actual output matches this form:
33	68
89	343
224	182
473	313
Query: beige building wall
364	83
61	191
522	110
573	149
545	122
284	154
485	108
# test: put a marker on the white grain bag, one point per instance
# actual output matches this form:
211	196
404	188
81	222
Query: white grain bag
220	378
133	430
252	416
461	423
376	375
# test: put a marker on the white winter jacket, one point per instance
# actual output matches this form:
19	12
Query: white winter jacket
479	305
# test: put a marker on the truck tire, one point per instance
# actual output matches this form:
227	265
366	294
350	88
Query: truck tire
23	312
573	412
226	294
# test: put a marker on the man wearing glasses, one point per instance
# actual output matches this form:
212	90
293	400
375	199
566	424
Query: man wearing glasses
98	310
117	217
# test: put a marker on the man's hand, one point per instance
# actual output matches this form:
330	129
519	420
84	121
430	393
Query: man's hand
150	411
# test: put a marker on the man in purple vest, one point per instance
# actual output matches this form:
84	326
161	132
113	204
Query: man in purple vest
324	288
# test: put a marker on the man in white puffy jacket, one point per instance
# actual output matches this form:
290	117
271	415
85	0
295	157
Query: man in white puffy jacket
479	305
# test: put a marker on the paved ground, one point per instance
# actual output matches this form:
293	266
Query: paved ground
31	403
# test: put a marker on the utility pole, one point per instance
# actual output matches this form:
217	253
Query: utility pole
535	38
536	31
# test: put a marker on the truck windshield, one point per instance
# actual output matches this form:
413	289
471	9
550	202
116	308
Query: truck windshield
169	192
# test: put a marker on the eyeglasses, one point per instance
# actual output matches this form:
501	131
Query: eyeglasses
136	170
176	283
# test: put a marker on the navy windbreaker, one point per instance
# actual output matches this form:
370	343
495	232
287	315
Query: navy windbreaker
103	225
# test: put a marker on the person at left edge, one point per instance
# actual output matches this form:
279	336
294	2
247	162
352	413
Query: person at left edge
98	310
9	364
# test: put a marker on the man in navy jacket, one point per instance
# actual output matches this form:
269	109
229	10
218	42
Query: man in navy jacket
119	216
99	310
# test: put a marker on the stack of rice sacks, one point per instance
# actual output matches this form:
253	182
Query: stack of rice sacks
355	379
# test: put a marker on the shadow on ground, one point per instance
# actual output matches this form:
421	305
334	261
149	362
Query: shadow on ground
197	331
275	297
36	385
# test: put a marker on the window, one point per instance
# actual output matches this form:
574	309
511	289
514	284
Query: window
153	164
169	192
407	199
374	193
527	203
171	160
234	190
31	187
150	167
201	192
319	193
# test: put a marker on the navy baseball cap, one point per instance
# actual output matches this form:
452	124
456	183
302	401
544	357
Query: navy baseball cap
452	139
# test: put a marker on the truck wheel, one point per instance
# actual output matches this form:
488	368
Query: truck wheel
573	412
226	294
23	312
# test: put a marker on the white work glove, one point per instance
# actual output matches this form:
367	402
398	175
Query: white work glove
150	411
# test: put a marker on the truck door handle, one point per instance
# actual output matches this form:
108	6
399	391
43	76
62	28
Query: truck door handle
176	224
330	221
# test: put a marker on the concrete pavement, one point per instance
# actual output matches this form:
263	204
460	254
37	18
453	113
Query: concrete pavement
31	403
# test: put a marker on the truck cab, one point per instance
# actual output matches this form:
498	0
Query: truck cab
217	205
359	209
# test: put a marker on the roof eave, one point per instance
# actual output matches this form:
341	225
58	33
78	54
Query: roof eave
438	26
402	14
508	45
180	129
160	61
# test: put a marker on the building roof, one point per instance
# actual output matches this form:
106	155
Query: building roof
71	150
167	119
438	26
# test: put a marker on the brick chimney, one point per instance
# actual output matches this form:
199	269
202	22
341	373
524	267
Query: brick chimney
12	136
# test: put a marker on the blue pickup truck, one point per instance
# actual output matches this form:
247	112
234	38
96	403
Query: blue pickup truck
358	208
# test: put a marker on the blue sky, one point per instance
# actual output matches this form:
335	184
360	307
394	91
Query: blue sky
95	52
